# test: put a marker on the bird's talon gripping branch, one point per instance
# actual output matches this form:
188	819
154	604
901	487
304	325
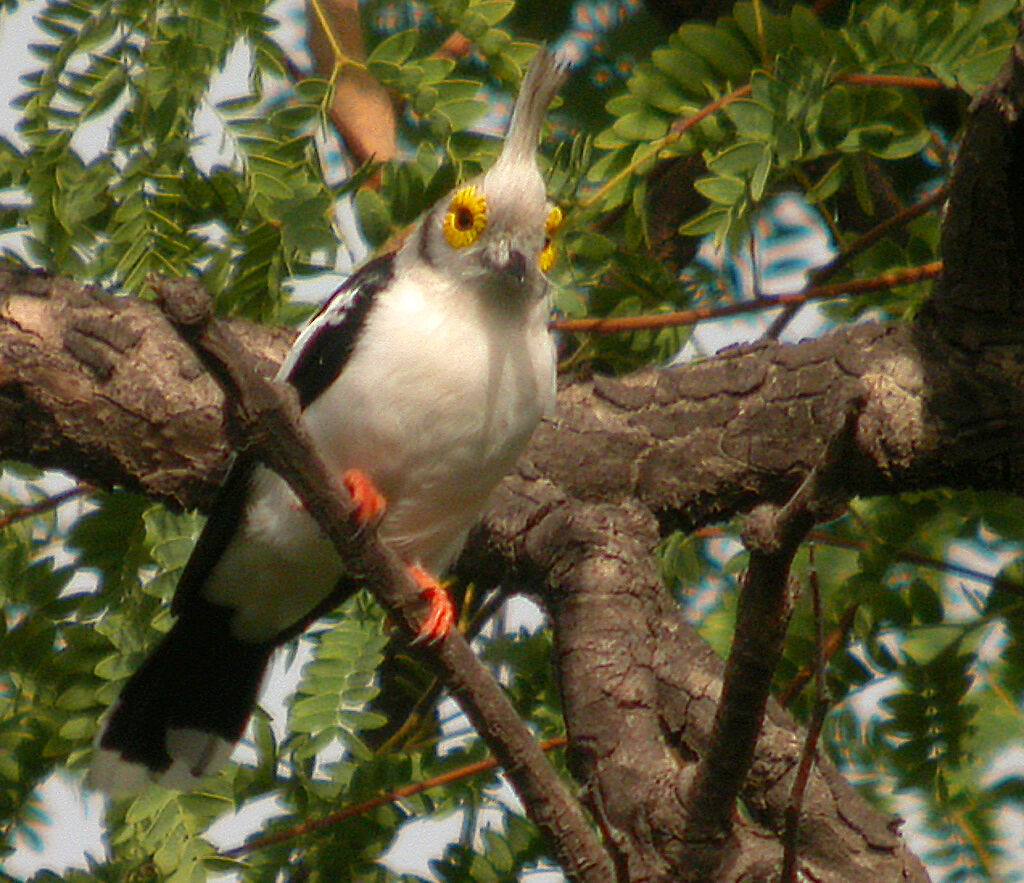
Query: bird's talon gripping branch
442	609
370	502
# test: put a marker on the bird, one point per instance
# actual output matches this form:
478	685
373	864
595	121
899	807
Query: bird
420	382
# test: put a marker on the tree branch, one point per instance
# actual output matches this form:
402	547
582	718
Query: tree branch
987	182
640	691
101	386
773	535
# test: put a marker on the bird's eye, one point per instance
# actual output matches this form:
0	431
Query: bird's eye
551	226
466	217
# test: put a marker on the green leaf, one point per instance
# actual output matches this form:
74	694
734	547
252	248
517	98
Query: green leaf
722	189
640	126
374	217
725	54
494	11
827	184
740	159
394	50
336	687
752	119
460	114
686	68
712	220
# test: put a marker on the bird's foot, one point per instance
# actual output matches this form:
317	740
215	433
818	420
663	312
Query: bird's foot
442	609
370	503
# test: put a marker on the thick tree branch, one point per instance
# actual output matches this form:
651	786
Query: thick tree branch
977	305
640	692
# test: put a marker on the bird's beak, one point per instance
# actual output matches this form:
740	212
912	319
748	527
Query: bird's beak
505	258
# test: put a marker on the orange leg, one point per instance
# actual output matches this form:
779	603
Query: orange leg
370	505
442	609
370	502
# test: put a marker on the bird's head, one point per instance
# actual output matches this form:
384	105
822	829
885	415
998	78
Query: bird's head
495	230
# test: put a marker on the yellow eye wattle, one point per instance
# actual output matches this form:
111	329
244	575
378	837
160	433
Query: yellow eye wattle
551	227
466	217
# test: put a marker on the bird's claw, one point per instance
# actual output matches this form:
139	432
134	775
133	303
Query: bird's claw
441	617
369	502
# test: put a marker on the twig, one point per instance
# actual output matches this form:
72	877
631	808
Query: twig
859	245
833	641
336	818
790	837
620	324
904	556
44	505
265	420
893	80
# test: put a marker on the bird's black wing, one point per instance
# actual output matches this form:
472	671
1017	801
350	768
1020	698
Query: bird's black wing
316	360
325	345
220	527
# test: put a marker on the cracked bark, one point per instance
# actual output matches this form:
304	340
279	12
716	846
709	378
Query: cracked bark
102	387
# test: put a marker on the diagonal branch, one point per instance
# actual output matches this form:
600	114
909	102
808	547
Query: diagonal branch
466	771
266	422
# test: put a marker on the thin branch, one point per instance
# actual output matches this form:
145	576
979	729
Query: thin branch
859	245
872	236
44	505
910	557
881	282
892	80
336	818
905	556
266	422
832	643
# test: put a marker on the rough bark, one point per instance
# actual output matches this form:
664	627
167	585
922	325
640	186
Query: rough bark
102	387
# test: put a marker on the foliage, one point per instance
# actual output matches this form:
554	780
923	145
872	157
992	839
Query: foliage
927	679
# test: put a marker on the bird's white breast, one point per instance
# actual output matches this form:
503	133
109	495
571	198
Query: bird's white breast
436	403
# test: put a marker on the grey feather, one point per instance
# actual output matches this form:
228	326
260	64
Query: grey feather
543	79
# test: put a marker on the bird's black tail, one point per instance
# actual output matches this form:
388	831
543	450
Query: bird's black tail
181	713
